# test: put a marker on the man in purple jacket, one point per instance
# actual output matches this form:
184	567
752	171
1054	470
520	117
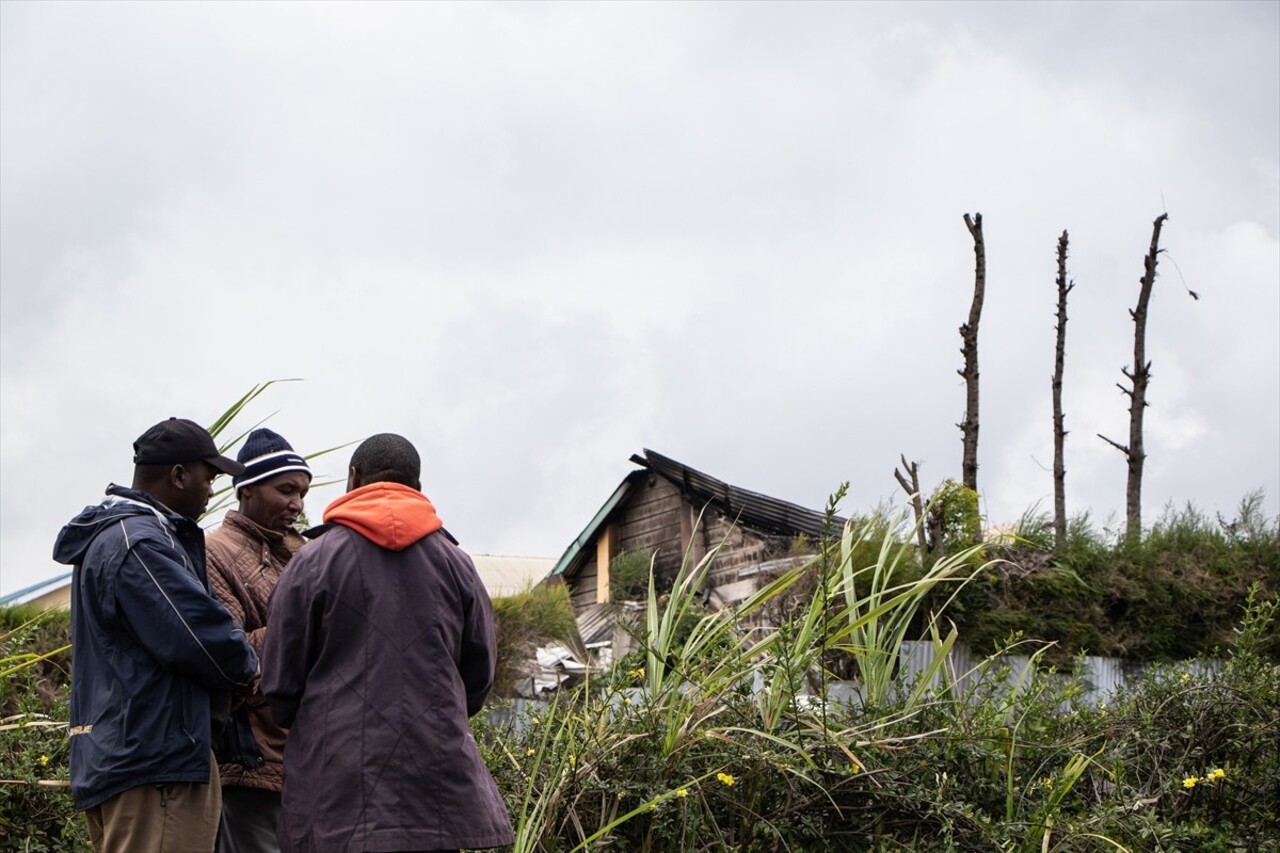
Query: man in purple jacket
381	648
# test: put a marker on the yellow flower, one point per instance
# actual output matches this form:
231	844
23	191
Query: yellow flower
531	751
725	778
636	673
1047	783
683	792
1215	774
1190	781
44	760
1186	676
573	761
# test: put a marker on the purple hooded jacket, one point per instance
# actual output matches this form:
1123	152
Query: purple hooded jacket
380	649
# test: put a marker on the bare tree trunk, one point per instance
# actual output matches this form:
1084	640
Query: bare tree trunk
969	335
912	488
1139	377
1059	431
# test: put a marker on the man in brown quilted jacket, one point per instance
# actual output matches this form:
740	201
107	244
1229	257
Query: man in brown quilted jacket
245	557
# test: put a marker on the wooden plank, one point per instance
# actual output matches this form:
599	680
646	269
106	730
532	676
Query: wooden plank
582	590
606	547
668	521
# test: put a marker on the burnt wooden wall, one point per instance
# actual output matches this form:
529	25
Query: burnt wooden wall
656	518
742	548
582	586
647	521
650	522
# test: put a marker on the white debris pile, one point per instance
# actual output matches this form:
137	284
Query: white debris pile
556	667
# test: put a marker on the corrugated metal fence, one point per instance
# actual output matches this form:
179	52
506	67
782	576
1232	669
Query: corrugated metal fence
1100	678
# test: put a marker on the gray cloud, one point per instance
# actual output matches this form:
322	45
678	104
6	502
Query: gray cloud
538	238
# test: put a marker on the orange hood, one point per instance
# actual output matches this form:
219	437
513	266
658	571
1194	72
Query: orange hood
388	514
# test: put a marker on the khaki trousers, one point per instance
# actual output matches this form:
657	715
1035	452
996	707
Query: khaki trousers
181	817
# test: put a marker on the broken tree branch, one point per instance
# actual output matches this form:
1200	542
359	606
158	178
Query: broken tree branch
912	488
1114	444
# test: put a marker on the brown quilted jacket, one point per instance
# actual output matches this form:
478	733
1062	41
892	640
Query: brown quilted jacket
244	563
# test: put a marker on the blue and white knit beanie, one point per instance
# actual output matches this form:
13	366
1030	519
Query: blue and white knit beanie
266	454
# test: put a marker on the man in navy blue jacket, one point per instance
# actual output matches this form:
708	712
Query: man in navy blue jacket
151	649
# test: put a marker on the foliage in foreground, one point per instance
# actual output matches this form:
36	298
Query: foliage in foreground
702	744
35	667
711	738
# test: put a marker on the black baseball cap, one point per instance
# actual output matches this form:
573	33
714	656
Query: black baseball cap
179	440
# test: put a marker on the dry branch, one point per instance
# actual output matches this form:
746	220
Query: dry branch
969	336
1059	419
912	488
1140	377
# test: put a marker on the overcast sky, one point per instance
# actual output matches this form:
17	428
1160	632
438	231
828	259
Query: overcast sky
537	238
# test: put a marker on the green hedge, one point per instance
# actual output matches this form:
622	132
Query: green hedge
1185	760
35	805
1174	596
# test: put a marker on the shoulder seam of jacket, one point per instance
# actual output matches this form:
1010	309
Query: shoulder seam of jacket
184	622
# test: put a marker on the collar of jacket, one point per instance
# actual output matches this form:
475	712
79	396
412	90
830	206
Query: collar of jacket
123	494
284	545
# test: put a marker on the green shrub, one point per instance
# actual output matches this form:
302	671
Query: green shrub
540	614
629	576
706	744
706	738
1171	596
957	515
36	813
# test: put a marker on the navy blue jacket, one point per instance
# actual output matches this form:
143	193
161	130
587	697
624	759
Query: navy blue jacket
149	646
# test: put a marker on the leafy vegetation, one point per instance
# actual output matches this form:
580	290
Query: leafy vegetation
719	739
526	620
1171	596
629	576
724	734
35	802
954	507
